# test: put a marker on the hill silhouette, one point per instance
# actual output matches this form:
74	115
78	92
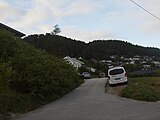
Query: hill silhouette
99	49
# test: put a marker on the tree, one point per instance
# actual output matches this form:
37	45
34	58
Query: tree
56	30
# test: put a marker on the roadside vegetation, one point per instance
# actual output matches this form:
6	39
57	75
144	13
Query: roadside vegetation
142	88
138	88
30	77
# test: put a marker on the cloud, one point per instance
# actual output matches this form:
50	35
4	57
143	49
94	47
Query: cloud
42	13
131	22
92	19
84	35
8	13
150	24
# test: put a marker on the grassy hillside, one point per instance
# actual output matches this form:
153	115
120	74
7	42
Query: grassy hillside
30	77
100	49
143	88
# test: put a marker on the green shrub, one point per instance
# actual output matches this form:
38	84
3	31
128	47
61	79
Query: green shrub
157	72
5	74
31	77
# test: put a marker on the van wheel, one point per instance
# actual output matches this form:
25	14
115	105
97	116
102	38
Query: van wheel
126	83
110	85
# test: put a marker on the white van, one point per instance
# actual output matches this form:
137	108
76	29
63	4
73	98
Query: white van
117	75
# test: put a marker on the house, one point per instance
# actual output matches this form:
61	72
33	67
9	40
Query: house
80	58
136	58
122	57
13	31
113	56
91	69
132	62
108	61
147	67
143	62
110	66
103	61
128	59
74	62
156	63
148	59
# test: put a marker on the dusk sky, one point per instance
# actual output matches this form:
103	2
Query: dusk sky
86	20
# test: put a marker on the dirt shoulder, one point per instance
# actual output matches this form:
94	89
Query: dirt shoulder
116	90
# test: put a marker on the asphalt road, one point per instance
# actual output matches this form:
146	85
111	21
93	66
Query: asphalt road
90	102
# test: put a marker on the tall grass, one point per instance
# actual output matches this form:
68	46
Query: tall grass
143	88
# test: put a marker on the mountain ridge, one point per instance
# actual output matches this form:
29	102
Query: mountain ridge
98	49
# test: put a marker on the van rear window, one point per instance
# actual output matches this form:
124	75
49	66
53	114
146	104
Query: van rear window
116	71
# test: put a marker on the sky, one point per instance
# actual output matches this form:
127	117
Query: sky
86	20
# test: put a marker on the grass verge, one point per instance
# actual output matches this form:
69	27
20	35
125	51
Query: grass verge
143	88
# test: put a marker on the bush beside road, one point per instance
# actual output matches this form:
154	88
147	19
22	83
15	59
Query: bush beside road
30	77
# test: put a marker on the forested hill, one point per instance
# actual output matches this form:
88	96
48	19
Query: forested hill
57	45
99	49
103	49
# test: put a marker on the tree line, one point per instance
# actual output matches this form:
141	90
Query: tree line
99	49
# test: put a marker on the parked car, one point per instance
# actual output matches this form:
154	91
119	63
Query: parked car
86	75
117	75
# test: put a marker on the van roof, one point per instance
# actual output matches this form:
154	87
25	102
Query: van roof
116	68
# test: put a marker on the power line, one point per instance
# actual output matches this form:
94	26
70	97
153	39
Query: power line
145	9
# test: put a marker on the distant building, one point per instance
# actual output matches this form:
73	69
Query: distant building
149	59
13	31
128	59
132	62
136	58
103	61
80	58
113	56
73	61
156	63
108	61
143	62
122	57
110	66
91	69
146	67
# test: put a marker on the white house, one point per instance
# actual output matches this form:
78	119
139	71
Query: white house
146	67
73	61
103	61
157	63
91	69
136	58
113	56
132	62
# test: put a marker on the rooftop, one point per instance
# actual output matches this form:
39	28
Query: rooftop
13	31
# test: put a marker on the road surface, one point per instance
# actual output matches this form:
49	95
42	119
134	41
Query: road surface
90	102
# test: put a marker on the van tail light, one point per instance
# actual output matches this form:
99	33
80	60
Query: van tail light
126	74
